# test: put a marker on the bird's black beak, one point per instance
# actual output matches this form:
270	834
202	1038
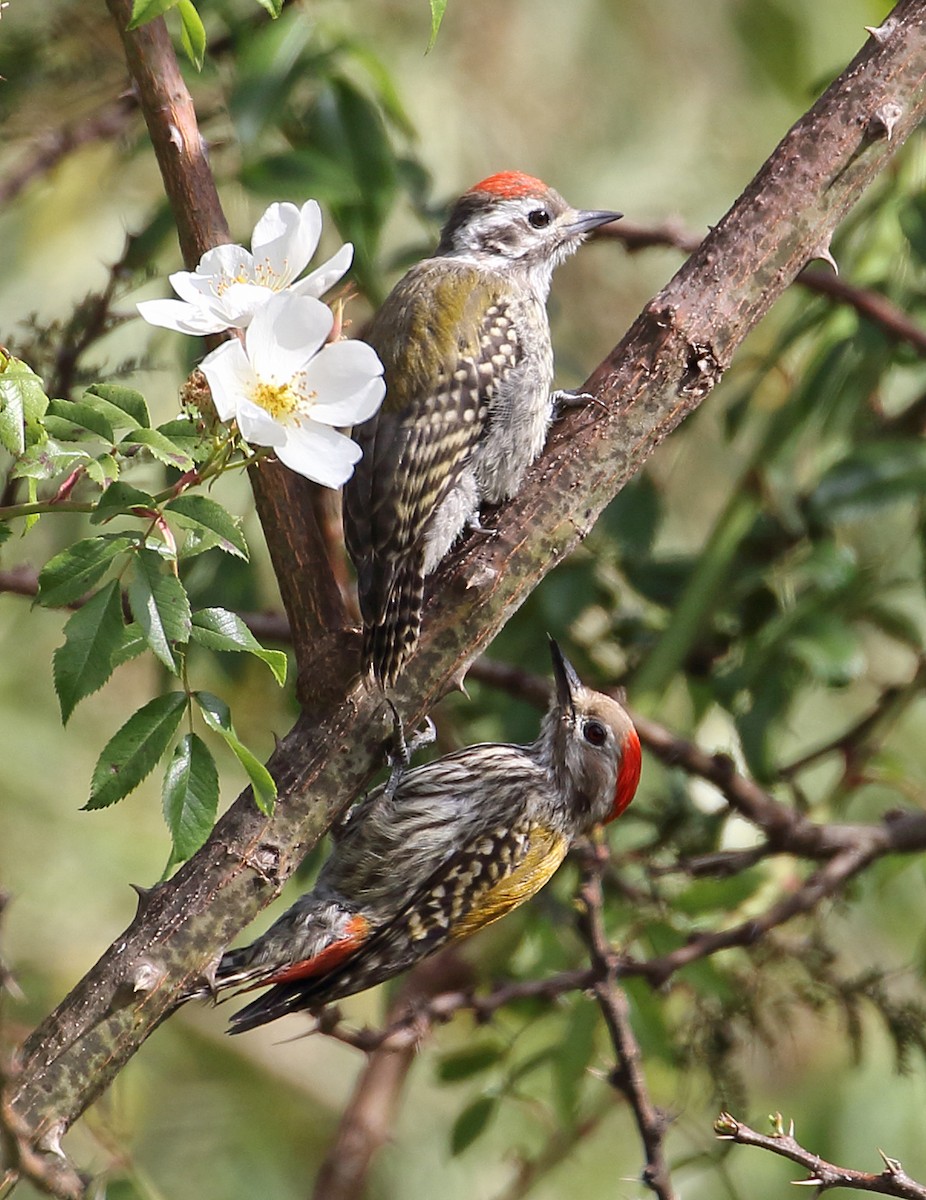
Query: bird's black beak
567	681
587	220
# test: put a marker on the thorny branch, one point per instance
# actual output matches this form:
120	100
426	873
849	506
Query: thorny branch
822	1175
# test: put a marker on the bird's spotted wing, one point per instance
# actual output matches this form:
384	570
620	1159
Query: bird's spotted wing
446	346
480	882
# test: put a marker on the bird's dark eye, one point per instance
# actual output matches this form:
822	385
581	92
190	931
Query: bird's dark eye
594	733
539	218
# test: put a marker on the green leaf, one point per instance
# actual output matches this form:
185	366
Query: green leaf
877	474
219	629
82	416
132	643
123	406
437	15
161	447
472	1123
190	795
45	459
160	605
192	33
147	10
274	7
204	513
130	755
188	436
103	470
22	404
69	575
217	716
92	638
463	1064
574	1053
121	499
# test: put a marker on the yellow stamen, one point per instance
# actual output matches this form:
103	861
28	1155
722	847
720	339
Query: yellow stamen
278	399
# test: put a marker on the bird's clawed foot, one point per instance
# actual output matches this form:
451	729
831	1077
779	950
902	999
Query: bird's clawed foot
475	525
402	749
564	399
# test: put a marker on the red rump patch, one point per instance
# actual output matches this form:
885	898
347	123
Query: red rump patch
508	185
629	774
329	958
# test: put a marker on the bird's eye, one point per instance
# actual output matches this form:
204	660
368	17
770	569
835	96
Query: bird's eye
594	733
539	218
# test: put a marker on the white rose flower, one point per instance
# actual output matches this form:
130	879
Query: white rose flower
288	389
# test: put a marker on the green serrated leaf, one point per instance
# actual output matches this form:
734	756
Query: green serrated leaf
160	605
217	716
6	531
219	629
85	417
69	575
22	405
102	470
147	10
132	643
160	447
437	15
187	434
192	33
132	753
92	637
123	406
472	1122
205	513
190	795
46	459
120	499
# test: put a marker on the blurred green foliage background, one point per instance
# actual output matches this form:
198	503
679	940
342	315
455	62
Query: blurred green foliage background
757	589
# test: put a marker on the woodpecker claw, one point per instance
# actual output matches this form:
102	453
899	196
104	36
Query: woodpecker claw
565	398
475	525
400	755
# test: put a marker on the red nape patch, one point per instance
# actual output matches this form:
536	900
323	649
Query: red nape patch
329	958
629	774
508	185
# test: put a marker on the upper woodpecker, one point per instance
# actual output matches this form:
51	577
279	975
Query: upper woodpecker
455	845
465	341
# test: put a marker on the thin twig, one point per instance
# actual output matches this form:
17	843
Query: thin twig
822	1175
627	1076
368	1119
870	305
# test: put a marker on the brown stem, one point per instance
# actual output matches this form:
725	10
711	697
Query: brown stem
284	500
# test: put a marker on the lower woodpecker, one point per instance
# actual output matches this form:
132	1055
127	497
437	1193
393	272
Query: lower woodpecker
453	846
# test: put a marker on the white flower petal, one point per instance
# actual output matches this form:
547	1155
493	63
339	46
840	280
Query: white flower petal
258	427
338	379
240	301
285	333
181	317
230	377
285	238
320	453
317	282
227	263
